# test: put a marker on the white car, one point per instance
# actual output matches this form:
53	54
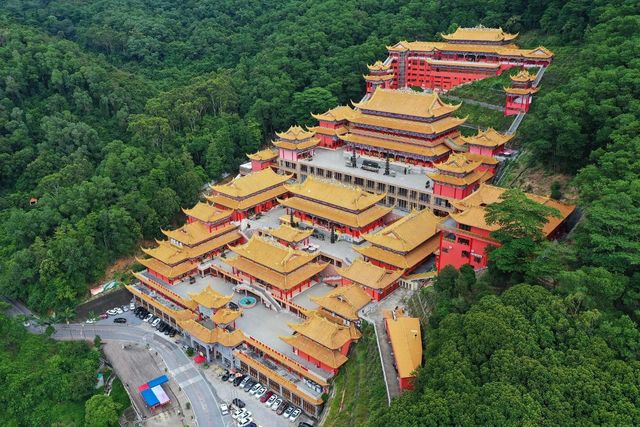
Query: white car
244	381
224	409
90	321
276	404
125	308
112	312
119	310
237	413
261	391
155	322
288	411
245	421
294	416
255	389
270	401
149	317
132	306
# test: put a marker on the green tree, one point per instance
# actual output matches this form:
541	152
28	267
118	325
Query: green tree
101	411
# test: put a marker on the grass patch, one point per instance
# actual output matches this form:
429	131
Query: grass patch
68	414
489	90
483	117
359	387
119	395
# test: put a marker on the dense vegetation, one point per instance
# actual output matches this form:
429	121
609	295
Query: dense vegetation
114	113
43	382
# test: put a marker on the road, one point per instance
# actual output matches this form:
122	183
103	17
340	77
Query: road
203	398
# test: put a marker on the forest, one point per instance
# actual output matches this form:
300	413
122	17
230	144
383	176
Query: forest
114	114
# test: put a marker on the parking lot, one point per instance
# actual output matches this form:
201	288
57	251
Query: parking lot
261	414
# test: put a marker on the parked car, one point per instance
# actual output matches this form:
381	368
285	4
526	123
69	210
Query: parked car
225	376
295	414
266	396
233	306
255	389
192	280
238	380
249	385
303	424
288	411
132	305
231	378
119	310
172	333
104	316
224	409
119	320
281	408
89	321
244	381
245	422
261	391
125	308
237	413
112	312
155	322
277	403
270	400
238	403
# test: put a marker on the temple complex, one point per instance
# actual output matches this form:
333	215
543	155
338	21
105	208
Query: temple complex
466	55
466	236
377	282
344	303
488	143
343	210
289	236
520	93
405	244
250	194
293	145
332	125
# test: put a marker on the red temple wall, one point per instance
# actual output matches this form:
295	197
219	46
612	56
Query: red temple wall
445	190
463	250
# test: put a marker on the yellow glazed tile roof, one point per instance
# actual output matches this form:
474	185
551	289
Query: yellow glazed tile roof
457	163
345	301
488	194
288	362
523	76
337	216
263	155
342	112
379	66
273	255
248	202
385	144
209	298
248	185
328	131
195	233
406	340
166	291
295	133
171	254
485	160
290	234
378	78
487	138
325	332
283	281
475	176
521	91
182	314
274	376
408	232
347	197
304	145
409	260
165	270
332	358
367	274
214	335
207	213
409	103
480	33
225	316
437	126
505	50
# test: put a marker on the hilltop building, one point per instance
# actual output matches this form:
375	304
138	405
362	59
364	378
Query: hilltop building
520	93
466	236
466	55
406	341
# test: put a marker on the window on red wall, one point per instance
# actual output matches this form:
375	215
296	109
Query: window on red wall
463	241
465	254
477	259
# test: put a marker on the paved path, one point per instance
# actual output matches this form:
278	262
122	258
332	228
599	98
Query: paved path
204	402
386	354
